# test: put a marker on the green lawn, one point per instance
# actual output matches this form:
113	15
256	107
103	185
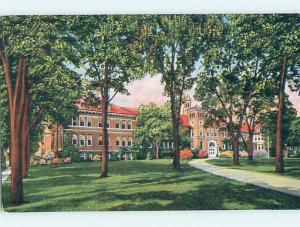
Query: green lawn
140	185
292	165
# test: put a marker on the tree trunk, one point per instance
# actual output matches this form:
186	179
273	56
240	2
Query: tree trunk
104	107
157	149
17	126
235	146
250	145
279	150
176	159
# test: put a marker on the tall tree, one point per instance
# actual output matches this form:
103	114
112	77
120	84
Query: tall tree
175	46
154	125
108	49
31	50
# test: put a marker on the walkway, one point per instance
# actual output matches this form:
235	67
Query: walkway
5	174
278	183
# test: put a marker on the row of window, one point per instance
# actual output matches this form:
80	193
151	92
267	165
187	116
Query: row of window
87	122
88	141
193	115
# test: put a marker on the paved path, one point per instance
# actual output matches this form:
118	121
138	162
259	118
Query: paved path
5	174
279	183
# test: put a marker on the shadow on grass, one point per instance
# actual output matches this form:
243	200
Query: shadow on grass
140	185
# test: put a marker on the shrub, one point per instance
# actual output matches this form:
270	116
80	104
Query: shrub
76	156
49	156
244	154
96	157
226	154
260	154
56	161
186	154
114	156
202	154
42	161
67	160
36	157
49	162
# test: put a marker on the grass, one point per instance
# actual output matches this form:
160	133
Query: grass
292	165
139	185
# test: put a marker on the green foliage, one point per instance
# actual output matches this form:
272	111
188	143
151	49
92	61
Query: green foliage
69	150
288	134
154	125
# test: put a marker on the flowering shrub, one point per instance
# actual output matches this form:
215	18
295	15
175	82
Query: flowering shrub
56	161
67	160
203	154
260	154
42	161
244	154
226	154
49	156
96	157
186	154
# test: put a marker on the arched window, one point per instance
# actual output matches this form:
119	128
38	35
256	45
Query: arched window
82	140
74	139
89	140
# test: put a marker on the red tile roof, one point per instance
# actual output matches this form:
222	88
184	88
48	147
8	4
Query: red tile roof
245	128
123	110
113	109
185	121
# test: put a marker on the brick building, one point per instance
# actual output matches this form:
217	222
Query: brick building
86	130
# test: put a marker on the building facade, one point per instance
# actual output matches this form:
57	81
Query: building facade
86	131
207	138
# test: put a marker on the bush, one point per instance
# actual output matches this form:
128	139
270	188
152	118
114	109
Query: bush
76	156
244	154
56	161
96	157
67	160
49	162
114	156
186	154
203	154
260	154
226	154
36	157
42	162
49	156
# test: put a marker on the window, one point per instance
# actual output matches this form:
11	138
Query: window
108	140
100	141
81	121
100	123
89	140
216	132
117	123
124	142
118	141
89	122
129	143
201	132
123	124
107	123
200	122
207	132
211	132
129	125
82	140
74	121
74	139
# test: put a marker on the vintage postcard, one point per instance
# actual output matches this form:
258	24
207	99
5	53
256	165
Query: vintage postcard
157	112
